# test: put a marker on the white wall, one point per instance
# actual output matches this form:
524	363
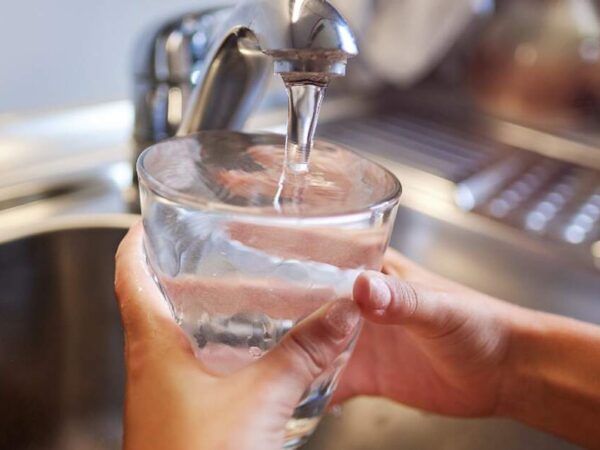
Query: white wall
68	52
72	52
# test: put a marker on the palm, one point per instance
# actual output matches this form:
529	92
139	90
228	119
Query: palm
405	372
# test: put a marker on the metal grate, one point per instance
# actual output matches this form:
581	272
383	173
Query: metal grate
539	195
557	200
435	149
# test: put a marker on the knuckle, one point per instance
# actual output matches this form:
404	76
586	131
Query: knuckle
454	327
312	357
407	298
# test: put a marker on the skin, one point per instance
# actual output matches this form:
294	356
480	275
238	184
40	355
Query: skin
172	401
441	347
427	342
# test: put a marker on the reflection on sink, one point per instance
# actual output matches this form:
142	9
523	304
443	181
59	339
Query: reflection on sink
61	370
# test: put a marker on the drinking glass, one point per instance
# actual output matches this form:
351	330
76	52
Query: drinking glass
244	248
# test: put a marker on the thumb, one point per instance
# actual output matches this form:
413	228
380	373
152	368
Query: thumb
307	351
387	300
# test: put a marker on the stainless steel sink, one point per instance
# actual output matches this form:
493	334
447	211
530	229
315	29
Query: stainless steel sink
61	370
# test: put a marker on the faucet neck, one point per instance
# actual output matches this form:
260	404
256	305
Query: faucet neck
304	40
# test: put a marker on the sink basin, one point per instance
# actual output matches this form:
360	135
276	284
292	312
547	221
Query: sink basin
61	370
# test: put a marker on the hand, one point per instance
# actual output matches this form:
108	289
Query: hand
428	343
173	402
439	346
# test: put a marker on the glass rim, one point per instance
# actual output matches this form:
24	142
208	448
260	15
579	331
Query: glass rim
256	214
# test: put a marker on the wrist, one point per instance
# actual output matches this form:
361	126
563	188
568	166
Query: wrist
521	367
548	356
551	378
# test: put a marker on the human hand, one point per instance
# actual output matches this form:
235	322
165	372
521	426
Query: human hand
173	402
428	342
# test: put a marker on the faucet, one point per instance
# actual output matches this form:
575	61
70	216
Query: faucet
304	41
208	70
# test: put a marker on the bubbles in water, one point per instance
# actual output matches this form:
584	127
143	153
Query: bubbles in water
336	411
200	340
255	352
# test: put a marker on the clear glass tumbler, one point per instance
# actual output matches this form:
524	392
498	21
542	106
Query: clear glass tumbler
243	249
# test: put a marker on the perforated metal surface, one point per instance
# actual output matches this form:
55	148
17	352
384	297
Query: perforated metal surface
539	195
436	149
557	200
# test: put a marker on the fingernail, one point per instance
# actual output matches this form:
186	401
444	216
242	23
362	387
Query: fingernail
379	293
343	317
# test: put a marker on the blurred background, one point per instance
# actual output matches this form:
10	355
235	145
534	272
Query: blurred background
75	53
518	59
488	111
72	52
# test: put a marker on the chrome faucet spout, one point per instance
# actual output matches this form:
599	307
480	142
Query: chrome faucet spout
304	40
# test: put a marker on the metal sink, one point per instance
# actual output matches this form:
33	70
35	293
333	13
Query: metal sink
61	369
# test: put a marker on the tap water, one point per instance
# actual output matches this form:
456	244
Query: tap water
236	296
238	283
304	105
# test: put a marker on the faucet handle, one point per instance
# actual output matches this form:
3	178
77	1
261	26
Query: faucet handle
172	50
167	61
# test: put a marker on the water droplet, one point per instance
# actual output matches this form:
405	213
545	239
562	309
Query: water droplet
255	352
336	411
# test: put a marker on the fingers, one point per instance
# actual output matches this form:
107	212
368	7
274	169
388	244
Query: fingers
388	300
146	317
307	351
